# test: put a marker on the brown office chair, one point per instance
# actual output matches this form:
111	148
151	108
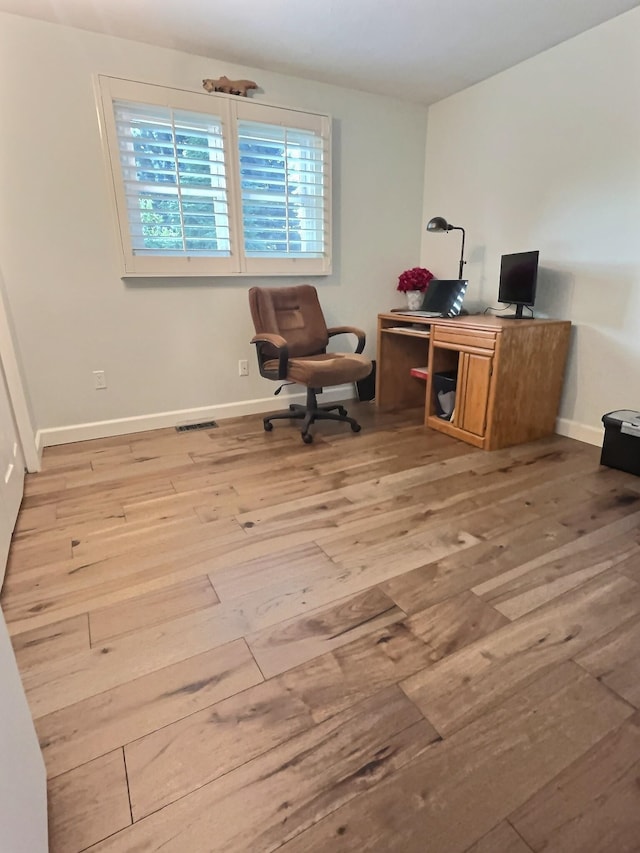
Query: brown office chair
291	341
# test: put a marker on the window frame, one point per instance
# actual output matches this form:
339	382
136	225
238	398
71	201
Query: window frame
229	110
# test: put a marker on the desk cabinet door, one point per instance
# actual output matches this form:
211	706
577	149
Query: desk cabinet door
475	378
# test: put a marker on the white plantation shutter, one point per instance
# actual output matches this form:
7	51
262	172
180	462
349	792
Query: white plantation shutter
282	181
215	185
173	170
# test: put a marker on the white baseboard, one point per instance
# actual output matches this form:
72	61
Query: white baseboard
581	432
160	420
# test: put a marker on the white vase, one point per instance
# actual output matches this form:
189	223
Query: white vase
414	299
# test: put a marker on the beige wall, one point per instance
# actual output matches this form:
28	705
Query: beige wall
168	345
546	156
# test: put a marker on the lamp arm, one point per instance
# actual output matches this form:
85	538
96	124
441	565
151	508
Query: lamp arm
462	260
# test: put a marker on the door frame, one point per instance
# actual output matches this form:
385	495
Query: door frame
17	396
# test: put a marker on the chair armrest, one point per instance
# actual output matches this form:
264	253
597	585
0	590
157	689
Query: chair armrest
278	343
350	330
266	337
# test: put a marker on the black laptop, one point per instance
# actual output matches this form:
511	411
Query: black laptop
443	298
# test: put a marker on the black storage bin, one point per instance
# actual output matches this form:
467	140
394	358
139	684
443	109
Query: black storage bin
443	384
621	446
367	387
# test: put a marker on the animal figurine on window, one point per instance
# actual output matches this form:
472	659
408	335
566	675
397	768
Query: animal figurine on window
230	87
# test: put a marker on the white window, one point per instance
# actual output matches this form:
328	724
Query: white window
214	185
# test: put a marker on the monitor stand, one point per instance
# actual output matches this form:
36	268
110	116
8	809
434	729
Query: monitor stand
518	315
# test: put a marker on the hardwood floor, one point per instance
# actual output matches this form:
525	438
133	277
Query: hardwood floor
390	641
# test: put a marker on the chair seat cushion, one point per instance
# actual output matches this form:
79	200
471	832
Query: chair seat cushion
330	368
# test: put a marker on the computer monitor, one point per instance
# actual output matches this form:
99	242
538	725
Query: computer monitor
518	276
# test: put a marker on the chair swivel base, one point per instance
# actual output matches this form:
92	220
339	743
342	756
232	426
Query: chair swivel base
310	413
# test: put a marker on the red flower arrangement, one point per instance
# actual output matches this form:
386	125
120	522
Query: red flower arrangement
417	278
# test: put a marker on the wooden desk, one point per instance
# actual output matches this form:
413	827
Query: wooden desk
509	374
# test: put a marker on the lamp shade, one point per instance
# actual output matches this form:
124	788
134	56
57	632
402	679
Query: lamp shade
438	223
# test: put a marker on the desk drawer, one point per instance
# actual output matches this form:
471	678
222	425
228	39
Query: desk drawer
462	338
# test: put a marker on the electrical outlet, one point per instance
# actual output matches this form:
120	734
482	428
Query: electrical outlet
99	380
243	367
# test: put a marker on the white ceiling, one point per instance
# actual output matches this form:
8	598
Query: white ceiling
420	50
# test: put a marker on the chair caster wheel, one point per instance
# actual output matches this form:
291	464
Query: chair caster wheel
342	411
307	437
268	426
355	427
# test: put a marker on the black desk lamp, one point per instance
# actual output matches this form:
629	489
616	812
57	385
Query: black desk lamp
438	223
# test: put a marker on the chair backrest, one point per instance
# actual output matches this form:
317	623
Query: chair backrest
292	312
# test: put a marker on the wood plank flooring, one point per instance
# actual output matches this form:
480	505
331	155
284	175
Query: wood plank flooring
232	642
